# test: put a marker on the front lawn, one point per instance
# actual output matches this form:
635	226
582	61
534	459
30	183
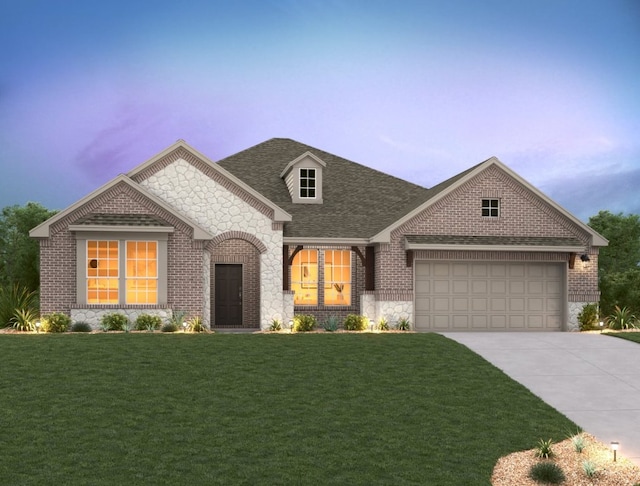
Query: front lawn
630	336
258	409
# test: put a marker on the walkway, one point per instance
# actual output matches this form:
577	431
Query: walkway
591	378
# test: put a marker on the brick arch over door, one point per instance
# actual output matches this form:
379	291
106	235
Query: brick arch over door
237	235
237	251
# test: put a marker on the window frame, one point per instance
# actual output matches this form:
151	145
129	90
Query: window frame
329	284
130	279
308	178
487	205
298	263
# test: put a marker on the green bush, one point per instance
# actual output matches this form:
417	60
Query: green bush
147	322
354	322
383	324
56	322
403	324
331	323
621	319
195	324
589	468
304	323
578	443
170	327
543	449
588	317
24	319
13	299
81	326
547	472
276	325
115	322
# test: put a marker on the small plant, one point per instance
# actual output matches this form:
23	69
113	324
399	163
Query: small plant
383	324
177	318
24	319
589	468
81	326
578	443
147	322
15	298
303	323
195	324
588	317
403	324
543	449
276	325
621	319
331	323
354	322
170	327
547	472
115	322
56	322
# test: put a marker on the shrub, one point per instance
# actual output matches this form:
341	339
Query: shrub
276	325
56	322
588	317
331	323
354	322
177	318
547	472
383	324
170	327
543	449
578	443
403	324
81	326
589	468
115	322
16	298
24	319
147	322
621	319
303	323
195	324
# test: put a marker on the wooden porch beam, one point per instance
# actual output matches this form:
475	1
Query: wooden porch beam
285	267
409	258
572	260
370	269
295	252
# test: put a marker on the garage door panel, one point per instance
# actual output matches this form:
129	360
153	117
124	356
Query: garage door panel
489	296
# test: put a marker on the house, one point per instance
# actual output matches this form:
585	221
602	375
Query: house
284	228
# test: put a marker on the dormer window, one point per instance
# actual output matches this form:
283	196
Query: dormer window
307	183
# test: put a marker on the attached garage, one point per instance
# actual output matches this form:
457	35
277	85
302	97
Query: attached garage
489	296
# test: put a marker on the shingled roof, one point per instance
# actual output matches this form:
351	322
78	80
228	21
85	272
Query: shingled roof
358	201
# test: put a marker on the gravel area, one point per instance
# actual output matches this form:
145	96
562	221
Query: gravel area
514	469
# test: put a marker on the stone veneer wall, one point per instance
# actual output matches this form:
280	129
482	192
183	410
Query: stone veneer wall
196	190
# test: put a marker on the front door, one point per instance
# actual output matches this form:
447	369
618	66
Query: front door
228	295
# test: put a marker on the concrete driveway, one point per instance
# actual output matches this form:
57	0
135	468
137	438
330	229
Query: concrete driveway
593	379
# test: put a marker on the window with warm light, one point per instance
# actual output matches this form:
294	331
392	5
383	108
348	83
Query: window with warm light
304	277
142	272
102	272
337	277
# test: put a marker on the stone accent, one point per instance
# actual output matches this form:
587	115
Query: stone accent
394	310
92	316
575	308
368	305
287	308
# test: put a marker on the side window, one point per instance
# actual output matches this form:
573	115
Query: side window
308	183
337	277
102	272
304	277
491	208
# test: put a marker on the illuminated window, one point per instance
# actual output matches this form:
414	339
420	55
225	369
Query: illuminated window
102	272
142	272
308	183
304	277
491	208
337	277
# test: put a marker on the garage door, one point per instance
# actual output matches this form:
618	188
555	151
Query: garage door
488	296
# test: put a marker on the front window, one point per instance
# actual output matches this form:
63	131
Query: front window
142	272
308	183
102	272
337	277
304	277
491	208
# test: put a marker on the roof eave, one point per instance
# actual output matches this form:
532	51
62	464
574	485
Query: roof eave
516	248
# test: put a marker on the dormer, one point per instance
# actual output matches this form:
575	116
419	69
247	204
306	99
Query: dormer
303	177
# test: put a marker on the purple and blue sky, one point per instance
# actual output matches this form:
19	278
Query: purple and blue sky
418	89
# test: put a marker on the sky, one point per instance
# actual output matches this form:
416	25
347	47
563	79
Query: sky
418	89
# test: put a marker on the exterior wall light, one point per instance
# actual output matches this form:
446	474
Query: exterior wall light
585	258
614	448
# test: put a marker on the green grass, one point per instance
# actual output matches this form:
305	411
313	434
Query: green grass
258	409
629	336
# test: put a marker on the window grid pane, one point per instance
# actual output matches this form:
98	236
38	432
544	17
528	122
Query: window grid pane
304	277
142	272
491	208
307	183
337	277
102	272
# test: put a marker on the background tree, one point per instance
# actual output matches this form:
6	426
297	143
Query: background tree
19	254
619	263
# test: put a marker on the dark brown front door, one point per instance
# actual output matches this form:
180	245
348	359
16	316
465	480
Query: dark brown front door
228	295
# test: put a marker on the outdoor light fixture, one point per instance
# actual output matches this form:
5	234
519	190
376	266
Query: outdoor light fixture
38	326
291	325
371	323
585	258
614	448
184	326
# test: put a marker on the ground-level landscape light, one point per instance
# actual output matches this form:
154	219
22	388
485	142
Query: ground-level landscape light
371	324
614	448
184	326
38	324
